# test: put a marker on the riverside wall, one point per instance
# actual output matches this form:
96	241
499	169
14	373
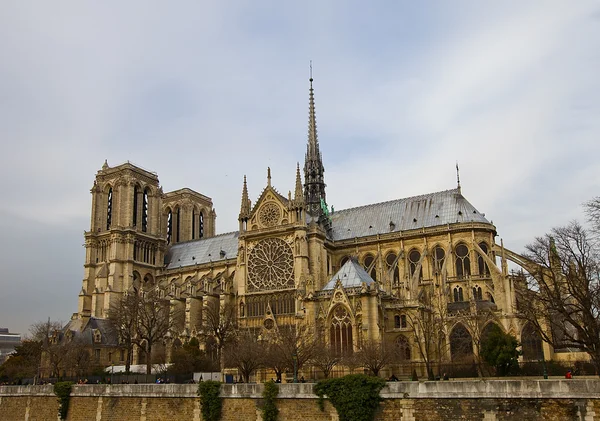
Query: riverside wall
487	400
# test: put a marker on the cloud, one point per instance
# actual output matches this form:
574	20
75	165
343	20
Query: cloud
203	93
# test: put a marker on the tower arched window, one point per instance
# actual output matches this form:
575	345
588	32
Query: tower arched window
391	261
109	206
369	265
177	225
201	225
145	208
484	270
463	262
193	223
414	258
169	226
340	331
136	191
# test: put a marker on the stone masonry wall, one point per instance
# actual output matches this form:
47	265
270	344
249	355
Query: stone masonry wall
492	400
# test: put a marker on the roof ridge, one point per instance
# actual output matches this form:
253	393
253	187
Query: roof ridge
396	200
195	240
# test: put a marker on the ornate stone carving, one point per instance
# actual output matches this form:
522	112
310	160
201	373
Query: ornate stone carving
270	265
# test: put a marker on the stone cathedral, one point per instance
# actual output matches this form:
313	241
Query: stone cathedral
363	274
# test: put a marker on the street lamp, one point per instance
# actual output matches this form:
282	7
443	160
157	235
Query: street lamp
295	360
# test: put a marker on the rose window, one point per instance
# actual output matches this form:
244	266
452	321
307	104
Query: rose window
269	215
270	265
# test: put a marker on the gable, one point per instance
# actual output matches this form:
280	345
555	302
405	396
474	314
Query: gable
270	210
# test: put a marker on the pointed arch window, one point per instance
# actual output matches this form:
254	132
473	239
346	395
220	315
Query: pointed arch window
169	226
340	331
414	258
458	294
177	225
136	191
109	205
477	293
438	259
145	206
484	270
193	223
461	344
463	262
531	343
201	225
369	264
402	348
391	261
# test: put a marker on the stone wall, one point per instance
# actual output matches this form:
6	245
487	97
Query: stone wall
502	400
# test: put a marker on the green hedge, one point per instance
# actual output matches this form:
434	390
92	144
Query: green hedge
210	400
270	410
355	397
63	391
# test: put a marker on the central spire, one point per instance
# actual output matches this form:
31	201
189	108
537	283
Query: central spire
314	184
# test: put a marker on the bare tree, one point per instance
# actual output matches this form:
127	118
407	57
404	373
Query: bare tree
54	351
477	322
220	325
561	295
123	315
428	323
325	358
143	319
246	353
375	355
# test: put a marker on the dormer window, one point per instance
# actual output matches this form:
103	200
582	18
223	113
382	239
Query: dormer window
97	336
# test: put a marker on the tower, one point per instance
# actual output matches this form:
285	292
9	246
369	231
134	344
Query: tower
124	247
314	184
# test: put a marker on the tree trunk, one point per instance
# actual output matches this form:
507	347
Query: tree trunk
148	358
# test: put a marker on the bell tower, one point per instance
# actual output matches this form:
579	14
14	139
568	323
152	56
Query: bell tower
125	246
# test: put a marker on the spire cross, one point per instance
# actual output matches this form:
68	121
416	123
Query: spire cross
457	175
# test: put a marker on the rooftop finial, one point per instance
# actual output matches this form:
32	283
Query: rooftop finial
311	78
269	176
457	176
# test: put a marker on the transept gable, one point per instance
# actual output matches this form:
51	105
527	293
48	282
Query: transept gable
270	210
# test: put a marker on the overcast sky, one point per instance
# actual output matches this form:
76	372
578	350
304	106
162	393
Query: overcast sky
205	92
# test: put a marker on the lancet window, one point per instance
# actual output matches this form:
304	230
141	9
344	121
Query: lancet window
463	262
484	270
413	261
391	261
402	348
340	331
109	205
369	265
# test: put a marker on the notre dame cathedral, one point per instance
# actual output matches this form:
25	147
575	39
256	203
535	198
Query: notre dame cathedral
370	273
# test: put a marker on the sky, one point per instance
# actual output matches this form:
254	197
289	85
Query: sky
204	93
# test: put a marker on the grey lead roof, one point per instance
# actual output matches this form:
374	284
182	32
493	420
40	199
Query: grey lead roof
441	208
350	275
428	210
219	247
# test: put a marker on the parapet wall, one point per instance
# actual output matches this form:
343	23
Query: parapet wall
488	400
